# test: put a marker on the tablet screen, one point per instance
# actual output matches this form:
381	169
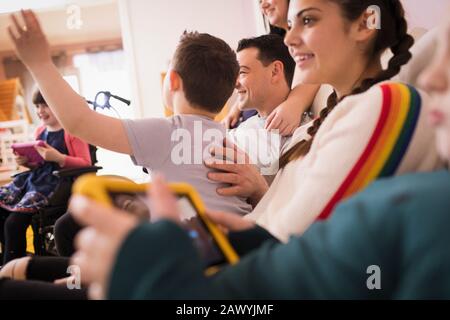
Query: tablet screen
139	205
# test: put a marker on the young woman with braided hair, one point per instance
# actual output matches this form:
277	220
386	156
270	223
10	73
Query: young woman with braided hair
399	42
371	128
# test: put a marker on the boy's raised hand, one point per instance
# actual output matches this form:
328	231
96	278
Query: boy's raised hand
30	42
69	107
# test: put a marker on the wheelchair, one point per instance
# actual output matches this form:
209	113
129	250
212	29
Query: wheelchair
43	222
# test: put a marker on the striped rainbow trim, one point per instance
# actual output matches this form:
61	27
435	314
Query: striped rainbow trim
388	144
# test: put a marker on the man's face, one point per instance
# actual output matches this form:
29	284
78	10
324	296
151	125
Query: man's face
254	80
436	80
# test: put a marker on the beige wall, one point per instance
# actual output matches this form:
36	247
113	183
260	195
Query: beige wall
100	22
100	30
151	29
425	13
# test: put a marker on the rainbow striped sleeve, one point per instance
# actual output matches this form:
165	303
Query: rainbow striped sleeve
388	144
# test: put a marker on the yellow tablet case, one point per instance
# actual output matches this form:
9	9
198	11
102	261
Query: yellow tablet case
99	187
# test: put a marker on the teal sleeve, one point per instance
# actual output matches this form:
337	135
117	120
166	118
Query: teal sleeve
387	232
330	261
248	240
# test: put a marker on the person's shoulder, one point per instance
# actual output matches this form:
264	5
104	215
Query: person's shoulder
254	122
181	119
39	130
147	122
382	99
409	190
380	92
73	138
196	123
148	128
393	202
416	182
414	205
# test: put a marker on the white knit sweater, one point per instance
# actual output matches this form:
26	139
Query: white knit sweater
379	133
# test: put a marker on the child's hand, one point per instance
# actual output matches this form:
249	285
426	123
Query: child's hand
30	42
286	118
21	160
51	154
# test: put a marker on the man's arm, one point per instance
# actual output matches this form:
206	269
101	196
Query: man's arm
288	115
71	110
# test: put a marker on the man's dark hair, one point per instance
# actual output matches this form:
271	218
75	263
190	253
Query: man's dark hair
38	98
271	48
209	69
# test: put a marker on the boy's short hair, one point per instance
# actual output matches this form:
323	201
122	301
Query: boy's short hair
271	48
38	98
209	70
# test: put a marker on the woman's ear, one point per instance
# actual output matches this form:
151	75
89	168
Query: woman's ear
366	26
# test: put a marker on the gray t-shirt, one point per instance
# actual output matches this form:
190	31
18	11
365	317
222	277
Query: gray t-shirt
177	147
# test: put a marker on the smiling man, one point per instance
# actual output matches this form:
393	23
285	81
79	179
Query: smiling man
266	70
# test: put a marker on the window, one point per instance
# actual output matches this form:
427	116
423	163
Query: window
106	71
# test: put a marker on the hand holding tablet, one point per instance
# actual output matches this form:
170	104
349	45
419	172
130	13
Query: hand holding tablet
212	244
28	150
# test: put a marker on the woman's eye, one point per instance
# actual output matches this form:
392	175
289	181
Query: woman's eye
307	21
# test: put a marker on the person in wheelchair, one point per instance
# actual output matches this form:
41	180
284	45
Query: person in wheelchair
31	190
